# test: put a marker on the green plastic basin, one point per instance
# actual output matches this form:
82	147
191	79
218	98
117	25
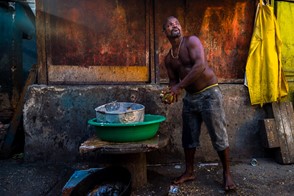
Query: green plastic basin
128	132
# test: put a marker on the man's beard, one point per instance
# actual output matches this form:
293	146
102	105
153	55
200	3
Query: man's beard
175	34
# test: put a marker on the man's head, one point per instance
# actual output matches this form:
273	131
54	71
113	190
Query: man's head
172	27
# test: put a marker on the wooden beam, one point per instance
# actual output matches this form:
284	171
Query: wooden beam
268	131
284	116
41	44
17	116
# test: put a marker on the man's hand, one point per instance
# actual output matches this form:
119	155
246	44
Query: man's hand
168	97
176	90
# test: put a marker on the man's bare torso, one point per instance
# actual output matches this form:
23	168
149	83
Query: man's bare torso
183	65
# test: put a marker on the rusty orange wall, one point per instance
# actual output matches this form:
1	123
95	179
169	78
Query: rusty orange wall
91	33
224	27
119	33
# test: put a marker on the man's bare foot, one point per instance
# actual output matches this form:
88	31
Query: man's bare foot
228	183
184	178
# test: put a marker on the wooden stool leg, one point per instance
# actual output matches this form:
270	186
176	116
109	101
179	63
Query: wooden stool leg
136	164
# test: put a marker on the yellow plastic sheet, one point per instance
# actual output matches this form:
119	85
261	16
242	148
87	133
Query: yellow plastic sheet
264	75
285	18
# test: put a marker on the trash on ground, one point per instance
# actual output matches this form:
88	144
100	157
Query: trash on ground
207	164
253	162
173	189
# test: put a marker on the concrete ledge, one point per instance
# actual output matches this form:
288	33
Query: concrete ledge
55	120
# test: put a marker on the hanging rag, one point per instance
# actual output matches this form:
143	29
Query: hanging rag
264	75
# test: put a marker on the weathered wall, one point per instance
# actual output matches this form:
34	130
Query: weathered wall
224	28
115	38
55	120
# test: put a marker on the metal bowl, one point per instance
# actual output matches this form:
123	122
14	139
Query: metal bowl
120	132
120	112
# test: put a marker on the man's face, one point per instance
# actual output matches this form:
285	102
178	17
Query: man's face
173	28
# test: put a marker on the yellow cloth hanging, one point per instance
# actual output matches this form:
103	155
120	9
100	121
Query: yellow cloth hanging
264	75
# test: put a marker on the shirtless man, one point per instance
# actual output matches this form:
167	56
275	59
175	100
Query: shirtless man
187	69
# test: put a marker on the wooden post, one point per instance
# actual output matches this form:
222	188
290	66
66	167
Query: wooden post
136	164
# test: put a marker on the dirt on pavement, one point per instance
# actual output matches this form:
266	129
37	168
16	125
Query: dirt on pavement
266	178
